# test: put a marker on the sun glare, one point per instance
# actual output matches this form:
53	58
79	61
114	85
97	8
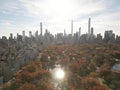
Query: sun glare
61	9
60	74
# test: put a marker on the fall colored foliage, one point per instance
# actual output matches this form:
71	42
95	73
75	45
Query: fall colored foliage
87	67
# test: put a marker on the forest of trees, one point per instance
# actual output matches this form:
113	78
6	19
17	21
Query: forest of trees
86	66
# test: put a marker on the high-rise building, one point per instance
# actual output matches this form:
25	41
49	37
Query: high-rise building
11	36
64	32
109	36
108	33
92	31
30	34
89	26
72	27
79	32
23	34
36	33
40	28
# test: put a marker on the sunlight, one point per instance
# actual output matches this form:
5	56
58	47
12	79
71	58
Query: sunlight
59	74
60	9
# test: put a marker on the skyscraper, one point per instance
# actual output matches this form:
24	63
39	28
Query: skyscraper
30	34
11	36
72	27
23	35
40	28
89	26
92	31
64	32
36	33
79	32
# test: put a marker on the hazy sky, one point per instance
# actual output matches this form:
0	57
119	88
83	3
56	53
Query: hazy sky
56	15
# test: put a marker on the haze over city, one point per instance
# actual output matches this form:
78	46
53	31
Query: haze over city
59	44
56	15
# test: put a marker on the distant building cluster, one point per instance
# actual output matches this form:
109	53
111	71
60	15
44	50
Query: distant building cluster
63	38
17	52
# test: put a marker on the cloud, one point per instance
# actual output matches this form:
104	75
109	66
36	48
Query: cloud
61	9
57	14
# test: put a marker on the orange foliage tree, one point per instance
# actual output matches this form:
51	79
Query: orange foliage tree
27	86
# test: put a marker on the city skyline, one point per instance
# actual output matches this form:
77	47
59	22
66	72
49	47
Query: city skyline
56	16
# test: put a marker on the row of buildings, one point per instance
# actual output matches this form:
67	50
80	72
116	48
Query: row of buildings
73	38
